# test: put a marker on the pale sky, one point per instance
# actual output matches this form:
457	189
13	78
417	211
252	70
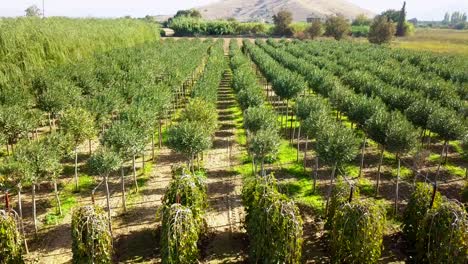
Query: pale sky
422	9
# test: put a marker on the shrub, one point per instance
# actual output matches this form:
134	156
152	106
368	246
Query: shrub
11	248
91	237
360	31
337	27
443	236
418	205
357	233
315	30
381	31
273	223
258	118
282	22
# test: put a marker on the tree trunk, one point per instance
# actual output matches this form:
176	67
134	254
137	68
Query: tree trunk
76	168
8	149
109	213
397	183
57	197
305	153
160	133
49	115
440	163
362	156
446	151
34	207
332	178
291	130
134	173
122	183
262	167
152	148
286	117
298	142
315	173
378	172
143	161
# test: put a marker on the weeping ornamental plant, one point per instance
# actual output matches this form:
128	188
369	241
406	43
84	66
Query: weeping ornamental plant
357	233
91	237
273	223
11	247
443	235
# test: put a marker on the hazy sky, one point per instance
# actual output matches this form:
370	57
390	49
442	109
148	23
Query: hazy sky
422	9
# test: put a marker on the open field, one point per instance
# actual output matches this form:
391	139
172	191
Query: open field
447	41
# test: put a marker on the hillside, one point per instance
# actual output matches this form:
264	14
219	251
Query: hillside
248	10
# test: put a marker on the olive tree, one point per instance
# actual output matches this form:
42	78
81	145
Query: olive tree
103	163
381	30
79	125
263	144
257	118
336	145
337	27
189	139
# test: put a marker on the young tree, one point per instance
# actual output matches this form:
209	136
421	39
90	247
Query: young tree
190	139
10	240
258	118
401	28
197	110
381	31
103	163
282	21
336	145
337	27
79	124
16	122
263	144
315	30
401	138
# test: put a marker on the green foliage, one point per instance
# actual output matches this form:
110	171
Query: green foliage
91	237
180	234
189	138
273	223
381	30
340	195
401	134
259	118
315	30
264	144
103	162
337	144
78	123
357	233
360	31
418	205
11	247
361	20
401	29
446	123
282	21
198	110
124	138
337	27
443	236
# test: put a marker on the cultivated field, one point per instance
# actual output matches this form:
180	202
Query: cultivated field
230	151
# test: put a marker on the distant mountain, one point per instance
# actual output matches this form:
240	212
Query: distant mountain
255	10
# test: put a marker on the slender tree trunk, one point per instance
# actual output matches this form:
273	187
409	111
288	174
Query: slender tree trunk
362	155
143	161
315	173
57	197
134	173
440	164
160	133
152	148
49	115
122	183
378	171
446	151
8	149
305	152
34	207
109	213
76	168
332	179
286	117
397	185
20	211
298	143
262	167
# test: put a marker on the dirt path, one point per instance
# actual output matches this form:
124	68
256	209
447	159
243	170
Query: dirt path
226	241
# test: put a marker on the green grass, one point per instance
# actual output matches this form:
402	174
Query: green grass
455	170
68	198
